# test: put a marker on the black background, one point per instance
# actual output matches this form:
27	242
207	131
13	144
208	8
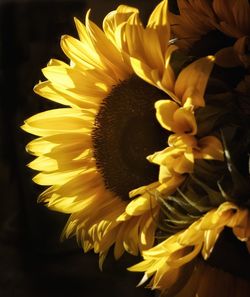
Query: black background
33	261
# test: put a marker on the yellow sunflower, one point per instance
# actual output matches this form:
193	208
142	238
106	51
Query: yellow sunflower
165	261
92	153
209	27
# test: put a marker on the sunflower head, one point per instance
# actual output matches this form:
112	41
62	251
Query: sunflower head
92	152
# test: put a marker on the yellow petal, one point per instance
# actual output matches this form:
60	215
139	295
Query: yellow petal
184	164
185	122
164	173
158	20
140	205
182	141
69	78
170	185
153	54
148	229
72	98
43	163
210	238
168	77
109	54
130	240
187	257
57	121
48	144
55	62
142	70
141	190
119	248
82	33
81	53
133	35
56	178
64	76
159	15
195	75
165	157
115	18
242	228
165	110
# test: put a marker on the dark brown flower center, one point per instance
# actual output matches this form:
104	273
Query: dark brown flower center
126	132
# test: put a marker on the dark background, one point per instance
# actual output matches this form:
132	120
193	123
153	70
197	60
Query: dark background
33	261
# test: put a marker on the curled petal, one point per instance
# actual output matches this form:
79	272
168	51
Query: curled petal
165	110
185	121
195	75
175	118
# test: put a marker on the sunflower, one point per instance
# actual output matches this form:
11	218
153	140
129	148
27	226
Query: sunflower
86	151
214	27
151	152
92	153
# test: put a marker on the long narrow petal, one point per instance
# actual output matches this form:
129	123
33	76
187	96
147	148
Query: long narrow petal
159	22
115	18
